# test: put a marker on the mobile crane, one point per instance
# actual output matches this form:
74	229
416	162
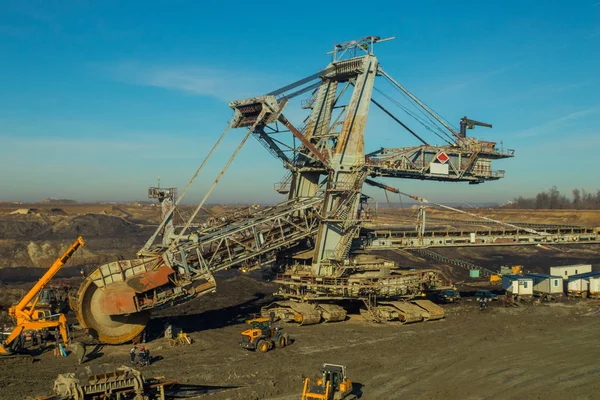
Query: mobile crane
28	317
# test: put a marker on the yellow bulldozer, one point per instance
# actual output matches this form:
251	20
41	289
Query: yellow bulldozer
332	385
28	317
263	335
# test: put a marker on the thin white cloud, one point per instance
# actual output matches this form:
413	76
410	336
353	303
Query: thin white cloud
452	87
572	142
91	145
545	90
594	34
150	146
558	122
197	80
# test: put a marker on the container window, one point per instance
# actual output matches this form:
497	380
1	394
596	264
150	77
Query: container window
575	272
525	285
566	273
556	282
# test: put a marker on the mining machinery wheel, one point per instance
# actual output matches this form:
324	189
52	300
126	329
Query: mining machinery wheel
262	346
109	329
280	343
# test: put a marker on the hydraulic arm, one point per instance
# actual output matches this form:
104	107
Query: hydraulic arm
25	313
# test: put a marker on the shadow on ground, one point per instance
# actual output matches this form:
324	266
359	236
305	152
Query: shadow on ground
180	391
211	319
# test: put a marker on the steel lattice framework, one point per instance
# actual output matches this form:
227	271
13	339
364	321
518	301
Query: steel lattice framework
327	167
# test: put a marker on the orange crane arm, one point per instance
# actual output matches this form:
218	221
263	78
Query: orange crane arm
56	266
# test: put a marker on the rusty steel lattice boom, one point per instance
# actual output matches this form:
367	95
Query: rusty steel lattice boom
115	299
321	218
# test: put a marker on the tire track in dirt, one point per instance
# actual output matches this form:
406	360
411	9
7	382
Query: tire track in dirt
516	370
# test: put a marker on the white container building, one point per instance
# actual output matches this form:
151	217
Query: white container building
569	270
579	285
549	284
594	286
517	285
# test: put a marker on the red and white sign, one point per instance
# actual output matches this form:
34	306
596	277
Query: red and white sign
442	157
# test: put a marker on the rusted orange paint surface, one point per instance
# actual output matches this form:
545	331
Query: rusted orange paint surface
118	299
150	279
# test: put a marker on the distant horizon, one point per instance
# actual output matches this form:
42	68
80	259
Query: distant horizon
186	203
381	202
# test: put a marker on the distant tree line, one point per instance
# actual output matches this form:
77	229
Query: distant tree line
553	199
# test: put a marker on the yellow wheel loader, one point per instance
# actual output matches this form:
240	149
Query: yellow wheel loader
263	336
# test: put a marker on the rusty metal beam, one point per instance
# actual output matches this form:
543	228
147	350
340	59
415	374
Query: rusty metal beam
381	186
304	141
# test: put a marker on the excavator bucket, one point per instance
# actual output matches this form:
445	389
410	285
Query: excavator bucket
109	329
107	303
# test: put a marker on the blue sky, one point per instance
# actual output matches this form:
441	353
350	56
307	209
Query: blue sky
98	98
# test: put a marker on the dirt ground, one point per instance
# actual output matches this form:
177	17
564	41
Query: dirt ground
548	352
45	230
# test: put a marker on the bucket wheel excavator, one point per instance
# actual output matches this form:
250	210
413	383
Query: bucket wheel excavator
311	236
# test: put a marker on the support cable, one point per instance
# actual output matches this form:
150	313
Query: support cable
416	117
432	123
425	113
170	213
529	230
382	108
416	100
216	181
426	117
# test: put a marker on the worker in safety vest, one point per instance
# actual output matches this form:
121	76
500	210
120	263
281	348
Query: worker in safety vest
146	356
132	354
141	356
